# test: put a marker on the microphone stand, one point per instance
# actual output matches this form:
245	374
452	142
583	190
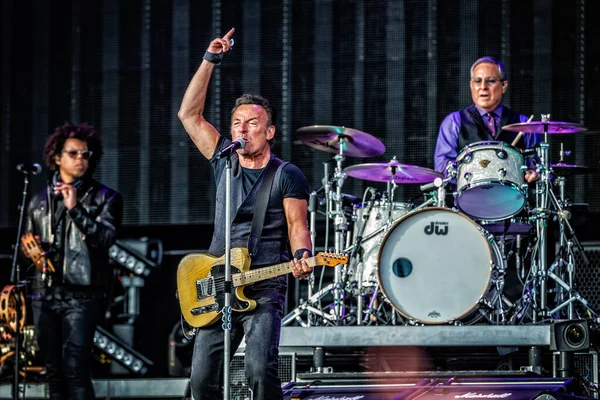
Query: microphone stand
313	205
15	277
228	283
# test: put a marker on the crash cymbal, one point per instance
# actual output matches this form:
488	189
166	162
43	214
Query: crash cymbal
392	171
553	127
562	169
328	138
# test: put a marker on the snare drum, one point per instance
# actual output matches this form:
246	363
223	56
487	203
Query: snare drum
490	181
380	215
435	266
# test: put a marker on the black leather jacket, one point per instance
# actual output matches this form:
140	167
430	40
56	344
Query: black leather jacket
90	228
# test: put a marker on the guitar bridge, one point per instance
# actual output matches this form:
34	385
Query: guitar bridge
204	309
205	288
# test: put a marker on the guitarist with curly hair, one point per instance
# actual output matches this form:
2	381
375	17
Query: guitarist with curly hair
285	235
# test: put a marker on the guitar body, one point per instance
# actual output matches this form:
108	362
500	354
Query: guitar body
201	282
195	267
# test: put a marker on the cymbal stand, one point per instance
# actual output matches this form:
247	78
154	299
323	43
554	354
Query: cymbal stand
340	226
566	251
544	199
357	253
540	270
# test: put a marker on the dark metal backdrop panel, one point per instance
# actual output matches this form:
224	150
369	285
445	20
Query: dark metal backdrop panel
392	69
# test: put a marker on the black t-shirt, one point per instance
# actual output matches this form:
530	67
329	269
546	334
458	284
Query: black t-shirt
293	183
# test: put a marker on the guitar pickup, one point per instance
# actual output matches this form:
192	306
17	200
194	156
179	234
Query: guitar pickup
205	288
204	309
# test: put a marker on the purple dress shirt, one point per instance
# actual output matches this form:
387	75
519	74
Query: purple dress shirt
447	149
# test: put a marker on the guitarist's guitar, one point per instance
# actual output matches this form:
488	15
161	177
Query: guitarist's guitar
200	282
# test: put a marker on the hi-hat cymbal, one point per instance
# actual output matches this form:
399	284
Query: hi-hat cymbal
553	127
392	171
328	138
562	169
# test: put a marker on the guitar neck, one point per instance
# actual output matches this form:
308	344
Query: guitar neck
261	274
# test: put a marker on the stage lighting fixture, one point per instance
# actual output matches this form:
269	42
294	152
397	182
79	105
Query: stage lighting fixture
120	352
570	335
129	257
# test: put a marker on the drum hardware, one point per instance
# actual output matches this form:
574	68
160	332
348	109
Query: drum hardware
356	258
545	198
440	185
343	142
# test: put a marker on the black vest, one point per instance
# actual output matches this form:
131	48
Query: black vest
274	243
473	129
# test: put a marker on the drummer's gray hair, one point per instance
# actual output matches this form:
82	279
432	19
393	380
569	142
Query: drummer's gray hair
490	60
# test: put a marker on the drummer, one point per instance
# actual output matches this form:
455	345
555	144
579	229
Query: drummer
483	120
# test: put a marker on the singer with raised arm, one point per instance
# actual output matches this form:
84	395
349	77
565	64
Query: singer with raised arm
483	120
69	228
285	235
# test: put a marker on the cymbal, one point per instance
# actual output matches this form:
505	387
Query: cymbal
392	171
562	169
553	127
328	138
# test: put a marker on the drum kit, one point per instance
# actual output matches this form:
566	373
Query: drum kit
446	260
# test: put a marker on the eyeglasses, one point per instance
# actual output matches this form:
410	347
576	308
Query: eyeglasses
489	81
85	154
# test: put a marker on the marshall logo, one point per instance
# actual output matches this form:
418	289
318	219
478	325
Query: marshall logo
484	163
339	397
439	228
474	395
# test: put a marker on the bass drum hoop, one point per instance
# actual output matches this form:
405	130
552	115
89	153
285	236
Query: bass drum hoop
485	289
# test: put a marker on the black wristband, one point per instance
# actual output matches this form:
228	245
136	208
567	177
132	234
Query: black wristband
213	58
300	252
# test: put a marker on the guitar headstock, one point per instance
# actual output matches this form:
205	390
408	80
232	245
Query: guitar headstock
330	259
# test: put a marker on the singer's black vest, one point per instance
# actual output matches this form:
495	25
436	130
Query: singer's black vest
274	243
473	129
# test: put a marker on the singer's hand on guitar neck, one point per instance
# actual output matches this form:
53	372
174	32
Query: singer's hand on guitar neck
69	193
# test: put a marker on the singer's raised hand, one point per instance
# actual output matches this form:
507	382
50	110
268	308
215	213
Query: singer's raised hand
223	44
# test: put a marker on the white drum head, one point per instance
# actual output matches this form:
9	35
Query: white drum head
435	265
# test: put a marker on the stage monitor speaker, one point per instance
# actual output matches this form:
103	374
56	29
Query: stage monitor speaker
588	276
586	368
239	389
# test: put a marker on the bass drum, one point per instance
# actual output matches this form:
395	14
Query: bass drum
435	266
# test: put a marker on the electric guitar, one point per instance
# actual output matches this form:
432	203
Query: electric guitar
200	282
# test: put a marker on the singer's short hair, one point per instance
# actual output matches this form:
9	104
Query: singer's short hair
84	132
261	101
491	60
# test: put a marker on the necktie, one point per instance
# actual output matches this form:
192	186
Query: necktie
491	124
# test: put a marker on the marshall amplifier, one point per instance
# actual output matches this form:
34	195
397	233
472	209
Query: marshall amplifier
437	389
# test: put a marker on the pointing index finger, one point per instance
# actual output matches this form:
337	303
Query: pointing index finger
229	34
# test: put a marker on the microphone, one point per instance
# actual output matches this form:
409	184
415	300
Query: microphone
437	182
238	143
29	169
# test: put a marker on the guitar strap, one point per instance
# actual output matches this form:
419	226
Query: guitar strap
258	220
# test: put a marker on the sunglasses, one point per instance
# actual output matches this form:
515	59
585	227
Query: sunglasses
85	154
